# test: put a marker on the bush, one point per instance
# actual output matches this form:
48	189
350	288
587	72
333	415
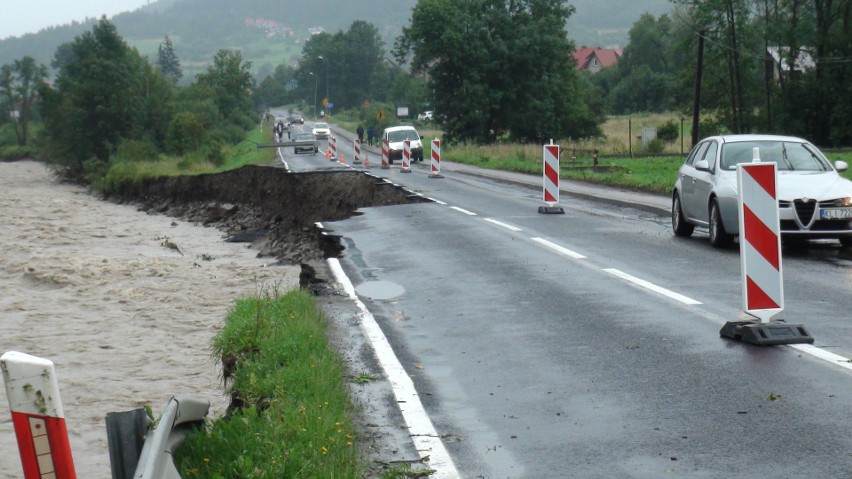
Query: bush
655	146
136	150
16	152
668	131
186	133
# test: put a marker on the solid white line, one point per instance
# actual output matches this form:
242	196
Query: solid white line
471	213
420	428
436	201
281	155
651	286
504	225
823	354
559	249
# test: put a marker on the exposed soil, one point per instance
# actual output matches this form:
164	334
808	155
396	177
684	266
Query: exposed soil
274	210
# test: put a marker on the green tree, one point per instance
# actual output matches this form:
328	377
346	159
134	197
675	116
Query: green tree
499	67
168	61
348	65
99	92
19	84
277	88
231	83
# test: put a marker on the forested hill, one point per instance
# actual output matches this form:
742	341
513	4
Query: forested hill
271	32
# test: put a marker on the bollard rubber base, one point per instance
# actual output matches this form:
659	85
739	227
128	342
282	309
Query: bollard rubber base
385	167
766	334
551	210
436	175
356	162
406	170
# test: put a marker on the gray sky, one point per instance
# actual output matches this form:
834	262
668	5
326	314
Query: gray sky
18	17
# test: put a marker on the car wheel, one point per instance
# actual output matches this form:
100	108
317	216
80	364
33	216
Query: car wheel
679	224
719	238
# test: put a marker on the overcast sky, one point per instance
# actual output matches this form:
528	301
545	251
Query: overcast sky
18	17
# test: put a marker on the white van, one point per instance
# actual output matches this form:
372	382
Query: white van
396	136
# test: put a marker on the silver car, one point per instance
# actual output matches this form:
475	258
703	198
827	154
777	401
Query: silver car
814	201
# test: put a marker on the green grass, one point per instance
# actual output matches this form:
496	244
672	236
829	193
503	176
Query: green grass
296	419
234	156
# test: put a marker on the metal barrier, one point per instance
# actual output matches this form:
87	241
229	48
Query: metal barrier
178	419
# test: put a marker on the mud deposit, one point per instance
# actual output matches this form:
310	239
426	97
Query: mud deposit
273	210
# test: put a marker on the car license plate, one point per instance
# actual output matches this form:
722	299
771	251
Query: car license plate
835	213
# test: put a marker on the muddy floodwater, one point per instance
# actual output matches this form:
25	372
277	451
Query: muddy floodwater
124	302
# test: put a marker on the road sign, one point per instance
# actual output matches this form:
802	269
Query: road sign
325	102
380	115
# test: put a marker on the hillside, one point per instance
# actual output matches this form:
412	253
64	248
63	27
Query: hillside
272	32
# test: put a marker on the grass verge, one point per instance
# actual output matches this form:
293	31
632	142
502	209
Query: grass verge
231	157
294	415
651	174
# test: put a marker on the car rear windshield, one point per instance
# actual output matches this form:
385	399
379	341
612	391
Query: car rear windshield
402	135
304	137
321	126
790	156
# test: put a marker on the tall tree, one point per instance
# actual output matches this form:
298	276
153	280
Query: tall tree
98	94
499	67
19	84
168	61
232	83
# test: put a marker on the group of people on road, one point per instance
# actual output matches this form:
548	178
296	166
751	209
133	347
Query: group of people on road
279	130
370	134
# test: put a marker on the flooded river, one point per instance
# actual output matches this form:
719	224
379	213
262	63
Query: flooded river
123	302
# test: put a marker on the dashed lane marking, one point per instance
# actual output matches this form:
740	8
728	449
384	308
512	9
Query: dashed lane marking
503	225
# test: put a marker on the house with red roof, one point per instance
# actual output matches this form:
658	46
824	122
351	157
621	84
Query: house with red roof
593	59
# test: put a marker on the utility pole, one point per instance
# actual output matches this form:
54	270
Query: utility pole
696	107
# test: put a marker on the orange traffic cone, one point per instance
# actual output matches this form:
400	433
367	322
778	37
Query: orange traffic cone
366	159
327	154
342	159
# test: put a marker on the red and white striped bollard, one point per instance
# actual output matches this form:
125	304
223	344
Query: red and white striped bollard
357	145
385	154
406	156
436	159
33	393
550	189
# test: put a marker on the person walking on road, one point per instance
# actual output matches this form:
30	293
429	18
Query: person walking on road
370	135
360	131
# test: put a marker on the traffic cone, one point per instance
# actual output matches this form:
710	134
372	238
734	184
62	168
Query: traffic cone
342	158
327	154
366	158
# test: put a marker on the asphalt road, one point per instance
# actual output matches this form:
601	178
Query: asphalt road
587	344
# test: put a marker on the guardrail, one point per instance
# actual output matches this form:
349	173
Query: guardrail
285	144
180	416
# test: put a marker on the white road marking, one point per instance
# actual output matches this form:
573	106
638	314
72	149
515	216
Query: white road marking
559	249
420	428
504	225
823	354
471	213
436	201
651	286
281	155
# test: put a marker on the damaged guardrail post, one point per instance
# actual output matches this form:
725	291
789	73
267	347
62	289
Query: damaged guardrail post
180	415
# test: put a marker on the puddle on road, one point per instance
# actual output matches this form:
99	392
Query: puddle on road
379	290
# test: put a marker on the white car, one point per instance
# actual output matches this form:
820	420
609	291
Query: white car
321	130
814	201
396	136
